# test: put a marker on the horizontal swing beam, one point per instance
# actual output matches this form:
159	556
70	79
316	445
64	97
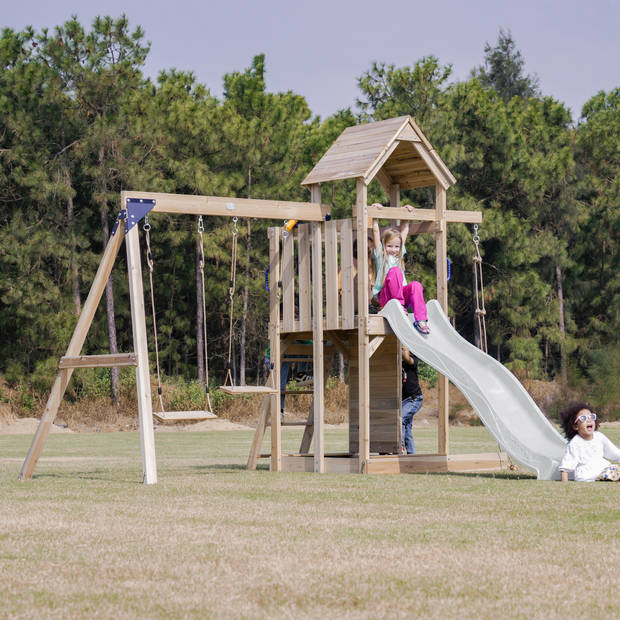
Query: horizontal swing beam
421	215
231	207
110	360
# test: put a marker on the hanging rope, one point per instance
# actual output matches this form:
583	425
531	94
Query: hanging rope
480	311
149	260
201	230
231	296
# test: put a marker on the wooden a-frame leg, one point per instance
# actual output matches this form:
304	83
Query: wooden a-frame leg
74	349
306	440
259	434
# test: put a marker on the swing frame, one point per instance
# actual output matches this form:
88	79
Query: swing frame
135	205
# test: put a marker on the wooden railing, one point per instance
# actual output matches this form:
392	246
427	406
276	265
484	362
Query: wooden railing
338	277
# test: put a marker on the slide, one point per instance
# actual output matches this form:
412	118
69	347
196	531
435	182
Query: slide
501	402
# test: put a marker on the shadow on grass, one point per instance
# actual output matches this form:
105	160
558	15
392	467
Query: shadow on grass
501	475
233	467
91	476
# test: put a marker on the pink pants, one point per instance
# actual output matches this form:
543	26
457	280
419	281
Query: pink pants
410	296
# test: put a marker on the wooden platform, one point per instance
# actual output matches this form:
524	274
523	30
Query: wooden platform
400	464
377	326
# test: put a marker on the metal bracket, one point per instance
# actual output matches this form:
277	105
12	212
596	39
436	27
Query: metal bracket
137	208
119	217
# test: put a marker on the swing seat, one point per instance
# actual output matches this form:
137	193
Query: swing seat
248	389
173	416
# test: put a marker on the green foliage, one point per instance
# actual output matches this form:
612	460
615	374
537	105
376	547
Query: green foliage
391	91
503	70
601	385
428	373
187	396
79	123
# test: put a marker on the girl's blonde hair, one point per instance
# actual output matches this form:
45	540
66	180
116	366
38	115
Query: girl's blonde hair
387	236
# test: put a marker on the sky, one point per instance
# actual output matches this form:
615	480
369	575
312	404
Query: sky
319	49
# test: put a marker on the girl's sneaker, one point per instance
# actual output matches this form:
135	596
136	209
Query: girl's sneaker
422	327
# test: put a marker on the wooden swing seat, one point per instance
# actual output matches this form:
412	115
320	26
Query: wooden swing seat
173	416
248	389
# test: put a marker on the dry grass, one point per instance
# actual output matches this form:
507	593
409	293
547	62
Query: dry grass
85	538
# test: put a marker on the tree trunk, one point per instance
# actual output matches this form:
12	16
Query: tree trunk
75	275
246	293
243	338
563	365
110	314
200	343
109	287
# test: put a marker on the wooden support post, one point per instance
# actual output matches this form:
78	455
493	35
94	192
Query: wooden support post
274	346
303	277
441	245
362	314
346	275
140	344
395	200
317	339
73	350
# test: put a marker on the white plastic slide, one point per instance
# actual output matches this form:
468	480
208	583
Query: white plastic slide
501	402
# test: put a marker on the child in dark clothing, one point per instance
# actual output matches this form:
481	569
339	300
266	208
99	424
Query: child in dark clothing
412	398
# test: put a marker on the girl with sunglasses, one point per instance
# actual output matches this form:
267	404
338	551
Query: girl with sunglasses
587	450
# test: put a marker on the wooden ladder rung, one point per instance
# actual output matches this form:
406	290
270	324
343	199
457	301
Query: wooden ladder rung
109	360
299	423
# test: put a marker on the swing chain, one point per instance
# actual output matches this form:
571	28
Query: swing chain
149	255
476	237
149	260
480	310
201	229
231	295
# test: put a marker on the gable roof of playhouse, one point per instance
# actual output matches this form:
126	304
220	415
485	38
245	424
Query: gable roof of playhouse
395	151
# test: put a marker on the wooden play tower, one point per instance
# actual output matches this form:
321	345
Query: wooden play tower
396	153
318	293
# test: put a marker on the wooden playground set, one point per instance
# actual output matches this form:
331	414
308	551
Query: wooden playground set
319	292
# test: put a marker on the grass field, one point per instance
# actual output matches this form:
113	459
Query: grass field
85	538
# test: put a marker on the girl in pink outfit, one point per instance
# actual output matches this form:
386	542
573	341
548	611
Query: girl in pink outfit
390	282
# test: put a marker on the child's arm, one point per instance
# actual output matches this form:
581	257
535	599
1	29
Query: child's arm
404	227
376	233
569	462
610	450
